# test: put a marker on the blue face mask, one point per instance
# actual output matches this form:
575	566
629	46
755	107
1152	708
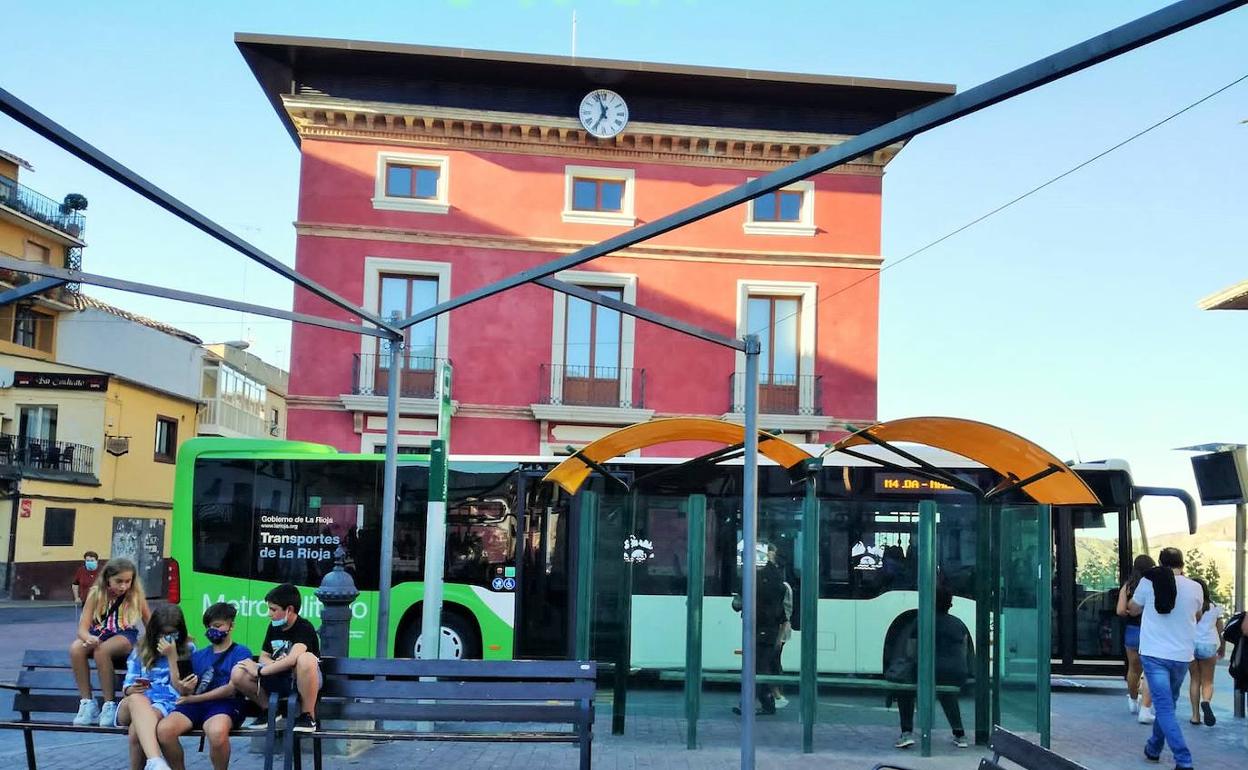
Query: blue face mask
278	623
216	635
92	564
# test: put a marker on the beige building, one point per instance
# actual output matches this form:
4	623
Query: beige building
244	397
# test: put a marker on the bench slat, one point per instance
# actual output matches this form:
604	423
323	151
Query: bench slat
414	689
451	712
66	727
43	703
1026	754
58	679
52	659
523	737
463	669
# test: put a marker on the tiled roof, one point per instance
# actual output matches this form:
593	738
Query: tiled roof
83	302
10	157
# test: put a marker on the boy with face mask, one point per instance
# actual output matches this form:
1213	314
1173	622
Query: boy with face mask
214	705
290	657
85	576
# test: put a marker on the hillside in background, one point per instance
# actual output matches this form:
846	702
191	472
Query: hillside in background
1215	541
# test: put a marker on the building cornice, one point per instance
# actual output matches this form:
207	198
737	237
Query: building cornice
590	415
346	120
567	246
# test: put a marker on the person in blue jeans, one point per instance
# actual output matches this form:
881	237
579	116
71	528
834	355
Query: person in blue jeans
1169	605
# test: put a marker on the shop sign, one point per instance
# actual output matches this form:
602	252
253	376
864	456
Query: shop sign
60	381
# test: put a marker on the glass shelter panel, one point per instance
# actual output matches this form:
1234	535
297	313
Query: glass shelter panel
1024	595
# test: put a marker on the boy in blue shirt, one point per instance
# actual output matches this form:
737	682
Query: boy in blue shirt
215	705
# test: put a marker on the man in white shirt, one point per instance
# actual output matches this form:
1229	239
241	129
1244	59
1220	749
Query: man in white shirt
1170	604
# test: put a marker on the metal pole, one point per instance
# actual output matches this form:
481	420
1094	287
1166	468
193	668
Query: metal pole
585	552
1044	620
927	624
435	553
810	608
749	537
1241	543
389	497
695	519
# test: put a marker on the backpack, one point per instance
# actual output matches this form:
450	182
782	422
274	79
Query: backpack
1237	666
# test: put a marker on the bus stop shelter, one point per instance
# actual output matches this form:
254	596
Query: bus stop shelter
634	521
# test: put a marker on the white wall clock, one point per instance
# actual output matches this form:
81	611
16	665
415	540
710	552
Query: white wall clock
603	113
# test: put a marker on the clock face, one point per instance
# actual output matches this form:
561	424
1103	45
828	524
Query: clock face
603	113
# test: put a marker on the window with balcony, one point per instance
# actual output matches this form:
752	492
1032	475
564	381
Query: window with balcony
25	326
774	320
788	211
166	440
782	315
407	295
598	196
36	424
408	182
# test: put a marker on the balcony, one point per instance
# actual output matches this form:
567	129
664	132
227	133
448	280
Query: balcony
41	208
789	394
42	457
370	375
598	386
221	418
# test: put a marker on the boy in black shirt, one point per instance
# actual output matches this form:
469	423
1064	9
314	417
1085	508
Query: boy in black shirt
289	656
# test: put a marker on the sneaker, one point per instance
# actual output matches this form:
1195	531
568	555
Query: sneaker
961	742
305	723
1150	757
108	714
1133	705
88	712
904	741
156	763
758	712
781	702
261	722
1146	715
1207	710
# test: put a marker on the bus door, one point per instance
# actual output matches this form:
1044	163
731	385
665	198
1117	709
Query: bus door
543	599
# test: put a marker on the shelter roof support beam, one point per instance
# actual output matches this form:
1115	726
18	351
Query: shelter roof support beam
1129	36
73	276
589	295
29	290
65	139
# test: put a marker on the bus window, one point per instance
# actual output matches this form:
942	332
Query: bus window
221	516
1096	579
305	510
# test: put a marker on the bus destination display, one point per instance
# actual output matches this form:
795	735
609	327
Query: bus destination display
905	482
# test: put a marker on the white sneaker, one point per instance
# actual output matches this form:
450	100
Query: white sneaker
904	741
88	712
781	701
108	714
156	763
1146	716
1133	705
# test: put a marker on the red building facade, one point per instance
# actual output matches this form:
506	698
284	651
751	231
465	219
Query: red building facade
429	172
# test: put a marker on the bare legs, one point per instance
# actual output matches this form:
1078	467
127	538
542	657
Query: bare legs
103	653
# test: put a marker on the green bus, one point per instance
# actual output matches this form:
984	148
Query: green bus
250	514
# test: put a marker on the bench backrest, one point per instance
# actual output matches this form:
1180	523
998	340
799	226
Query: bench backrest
49	681
555	691
1024	753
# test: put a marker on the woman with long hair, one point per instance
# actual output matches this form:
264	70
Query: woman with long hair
1209	648
1138	699
107	630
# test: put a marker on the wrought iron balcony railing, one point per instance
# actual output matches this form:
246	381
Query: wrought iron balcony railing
26	201
797	394
42	454
370	375
563	385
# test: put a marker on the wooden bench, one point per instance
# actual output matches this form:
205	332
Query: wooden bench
1020	751
46	688
392	695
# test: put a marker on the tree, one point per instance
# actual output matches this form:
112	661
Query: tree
1195	566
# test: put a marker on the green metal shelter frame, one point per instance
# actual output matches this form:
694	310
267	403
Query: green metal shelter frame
1004	593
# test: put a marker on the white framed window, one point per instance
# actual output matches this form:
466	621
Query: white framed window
782	314
411	182
405	286
599	195
592	347
787	211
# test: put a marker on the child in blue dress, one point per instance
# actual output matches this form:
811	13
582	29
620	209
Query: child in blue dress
153	686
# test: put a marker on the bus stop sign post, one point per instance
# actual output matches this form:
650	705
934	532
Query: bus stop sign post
435	553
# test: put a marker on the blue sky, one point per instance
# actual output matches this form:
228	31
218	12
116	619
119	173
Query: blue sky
1070	318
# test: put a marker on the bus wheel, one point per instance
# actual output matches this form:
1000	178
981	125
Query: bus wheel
459	638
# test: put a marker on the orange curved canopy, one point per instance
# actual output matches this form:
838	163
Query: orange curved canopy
1009	454
572	472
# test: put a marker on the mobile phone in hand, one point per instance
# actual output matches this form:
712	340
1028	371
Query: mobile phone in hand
143	681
